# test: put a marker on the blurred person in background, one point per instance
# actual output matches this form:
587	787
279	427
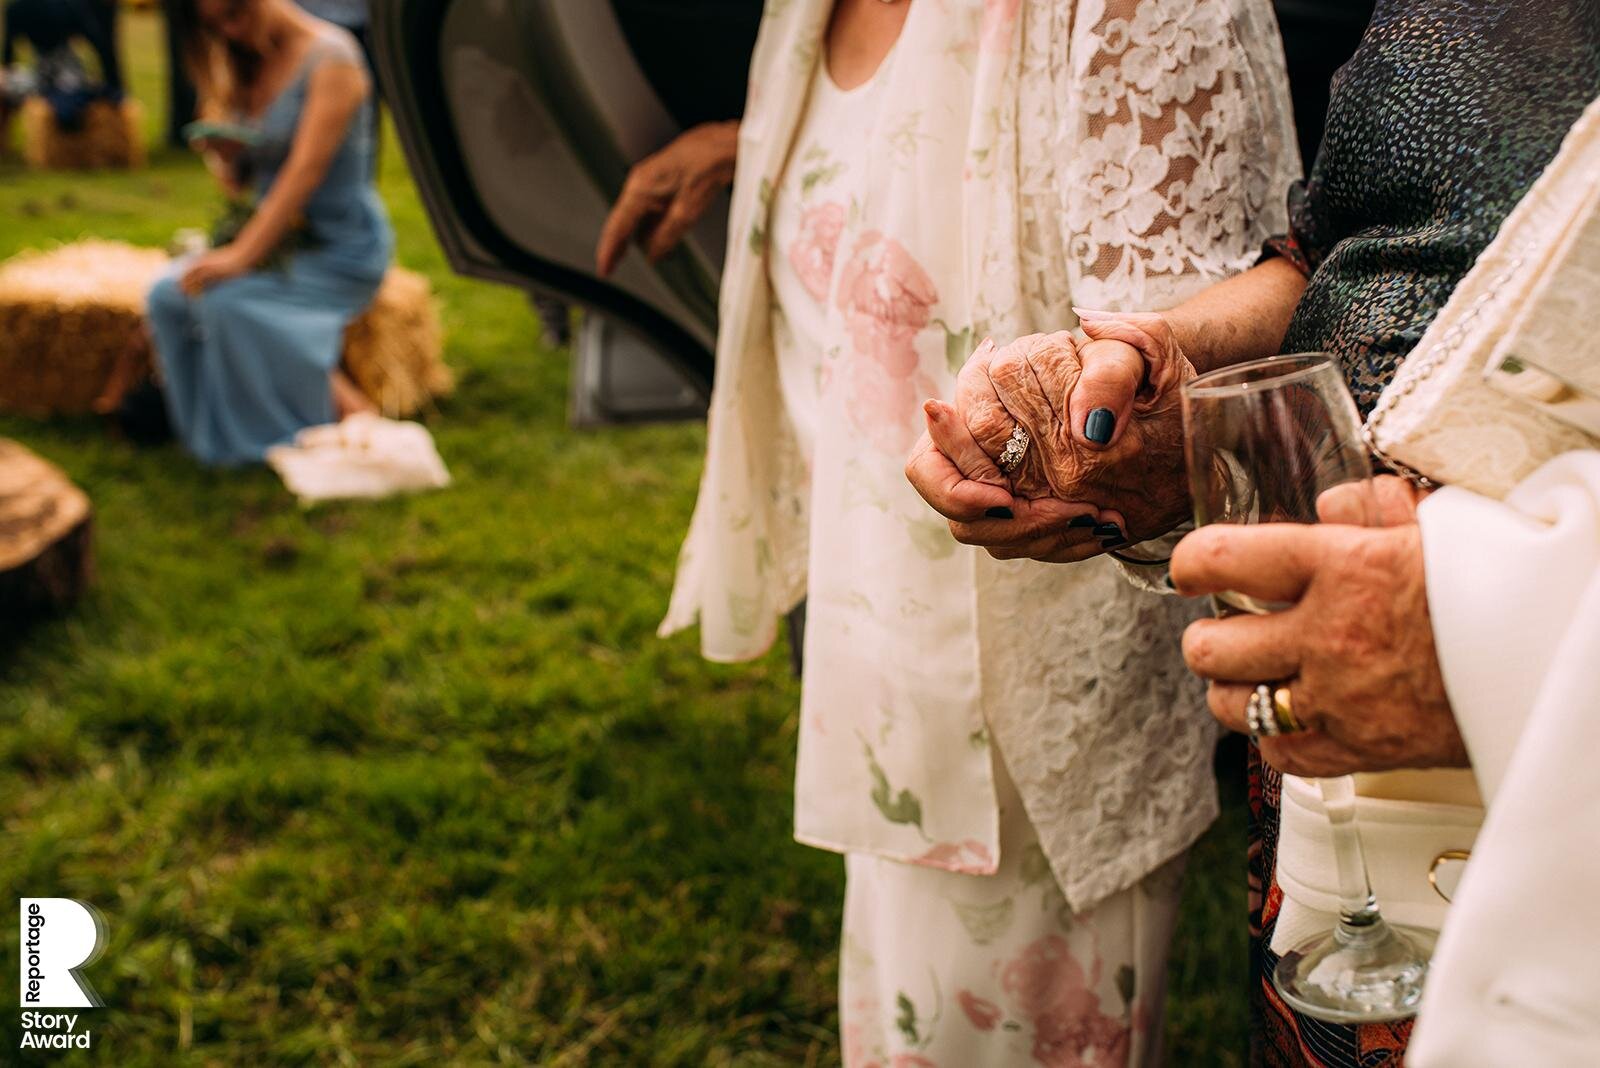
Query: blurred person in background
180	91
248	335
50	28
1010	756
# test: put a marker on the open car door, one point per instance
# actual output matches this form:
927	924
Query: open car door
520	119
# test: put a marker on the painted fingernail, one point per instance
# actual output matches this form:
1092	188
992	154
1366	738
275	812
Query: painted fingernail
1167	579
1108	530
1100	425
1113	543
999	513
1081	521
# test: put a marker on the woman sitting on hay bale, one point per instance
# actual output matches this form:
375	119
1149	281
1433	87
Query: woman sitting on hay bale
248	335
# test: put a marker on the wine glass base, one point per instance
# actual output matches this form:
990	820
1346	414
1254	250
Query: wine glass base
1354	975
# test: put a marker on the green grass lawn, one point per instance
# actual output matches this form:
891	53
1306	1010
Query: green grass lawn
413	782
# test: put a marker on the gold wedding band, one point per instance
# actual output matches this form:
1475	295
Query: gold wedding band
1283	711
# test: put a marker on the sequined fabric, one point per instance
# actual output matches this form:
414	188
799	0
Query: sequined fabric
1437	126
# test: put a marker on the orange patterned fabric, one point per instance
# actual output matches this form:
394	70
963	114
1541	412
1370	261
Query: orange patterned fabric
1279	1036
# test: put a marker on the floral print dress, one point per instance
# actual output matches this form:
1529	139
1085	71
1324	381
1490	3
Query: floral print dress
959	946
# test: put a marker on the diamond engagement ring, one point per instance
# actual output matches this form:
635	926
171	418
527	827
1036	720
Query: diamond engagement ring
1259	714
1016	448
1270	712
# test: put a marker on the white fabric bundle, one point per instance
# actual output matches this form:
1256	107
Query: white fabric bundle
362	456
1514	591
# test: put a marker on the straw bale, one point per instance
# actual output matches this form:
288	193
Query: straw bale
393	350
112	136
66	315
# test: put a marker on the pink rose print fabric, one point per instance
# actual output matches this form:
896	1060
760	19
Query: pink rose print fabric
812	253
981	1012
954	971
994	33
970	857
859	341
887	410
887	299
1051	990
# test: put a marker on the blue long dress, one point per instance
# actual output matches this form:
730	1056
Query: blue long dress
246	364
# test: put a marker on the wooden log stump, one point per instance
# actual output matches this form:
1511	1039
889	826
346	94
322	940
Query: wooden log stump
46	539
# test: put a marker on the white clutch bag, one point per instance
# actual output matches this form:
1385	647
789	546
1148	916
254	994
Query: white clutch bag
1508	375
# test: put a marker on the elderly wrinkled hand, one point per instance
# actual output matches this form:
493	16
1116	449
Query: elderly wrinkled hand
955	465
1105	442
964	484
1355	648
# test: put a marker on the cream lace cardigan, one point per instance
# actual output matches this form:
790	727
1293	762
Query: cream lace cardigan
1122	154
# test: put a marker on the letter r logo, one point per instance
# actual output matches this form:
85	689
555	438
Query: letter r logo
60	936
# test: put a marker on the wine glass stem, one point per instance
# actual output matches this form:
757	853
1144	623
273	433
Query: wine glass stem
1358	906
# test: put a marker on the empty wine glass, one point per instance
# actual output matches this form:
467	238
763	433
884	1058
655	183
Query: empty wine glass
1267	442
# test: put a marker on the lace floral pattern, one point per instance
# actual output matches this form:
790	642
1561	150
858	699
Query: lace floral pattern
1107	737
1171	117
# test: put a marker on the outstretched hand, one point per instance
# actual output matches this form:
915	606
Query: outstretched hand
666	193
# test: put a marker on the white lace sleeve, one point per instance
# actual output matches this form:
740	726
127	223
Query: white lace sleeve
1183	154
1183	147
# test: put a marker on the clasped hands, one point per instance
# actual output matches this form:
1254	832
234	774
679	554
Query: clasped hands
1105	467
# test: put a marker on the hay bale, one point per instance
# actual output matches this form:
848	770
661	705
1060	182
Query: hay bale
66	316
112	135
46	547
393	350
69	315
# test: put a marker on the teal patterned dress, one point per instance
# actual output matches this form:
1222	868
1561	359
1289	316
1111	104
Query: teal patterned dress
1437	126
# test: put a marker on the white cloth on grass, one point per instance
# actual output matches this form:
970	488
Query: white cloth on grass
363	456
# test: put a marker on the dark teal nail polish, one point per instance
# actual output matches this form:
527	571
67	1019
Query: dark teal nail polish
1167	579
999	513
1081	521
1100	425
1108	530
